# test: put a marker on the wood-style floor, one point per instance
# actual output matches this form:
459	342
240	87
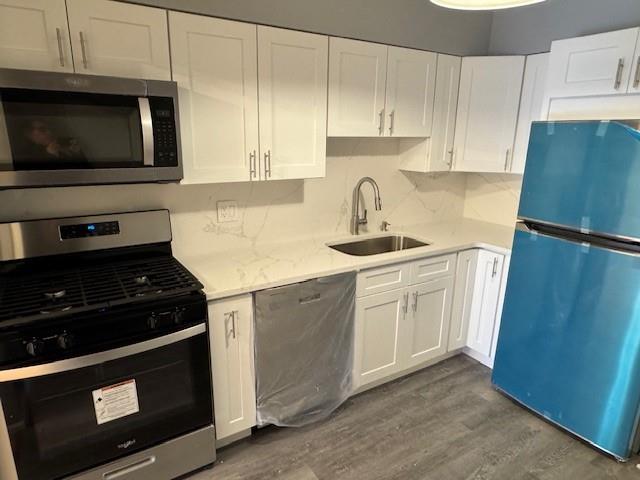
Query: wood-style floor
443	423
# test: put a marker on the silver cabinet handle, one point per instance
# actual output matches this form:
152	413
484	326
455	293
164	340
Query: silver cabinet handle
252	165
506	159
415	302
450	162
619	73
392	117
85	64
381	122
60	50
494	271
405	307
636	79
267	164
231	316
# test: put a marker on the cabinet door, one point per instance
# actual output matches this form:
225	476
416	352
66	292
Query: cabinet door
377	334
487	113
292	69
484	307
411	79
357	76
119	39
533	91
231	339
462	298
427	327
444	112
34	35
592	65
215	64
634	80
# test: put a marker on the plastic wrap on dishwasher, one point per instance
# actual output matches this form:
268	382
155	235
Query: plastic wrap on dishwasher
304	349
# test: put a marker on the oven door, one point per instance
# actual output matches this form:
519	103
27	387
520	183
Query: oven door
68	416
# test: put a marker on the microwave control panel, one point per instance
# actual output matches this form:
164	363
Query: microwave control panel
164	132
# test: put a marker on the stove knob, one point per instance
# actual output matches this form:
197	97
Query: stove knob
65	340
178	316
35	347
152	322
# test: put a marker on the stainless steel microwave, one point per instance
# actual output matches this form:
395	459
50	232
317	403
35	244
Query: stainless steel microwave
68	129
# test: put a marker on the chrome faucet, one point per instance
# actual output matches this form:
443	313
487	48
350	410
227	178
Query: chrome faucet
356	220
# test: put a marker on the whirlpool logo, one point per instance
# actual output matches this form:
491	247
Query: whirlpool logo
127	444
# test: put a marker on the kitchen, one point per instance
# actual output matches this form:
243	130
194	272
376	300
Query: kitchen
284	107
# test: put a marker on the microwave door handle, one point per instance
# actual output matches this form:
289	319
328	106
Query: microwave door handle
8	469
60	366
146	123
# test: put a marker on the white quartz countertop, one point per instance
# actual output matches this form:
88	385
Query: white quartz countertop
233	272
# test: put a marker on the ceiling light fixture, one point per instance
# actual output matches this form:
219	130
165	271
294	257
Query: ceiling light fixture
483	4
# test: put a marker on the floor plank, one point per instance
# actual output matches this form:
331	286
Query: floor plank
443	423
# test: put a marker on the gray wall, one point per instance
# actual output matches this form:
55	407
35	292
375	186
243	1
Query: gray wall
409	23
532	29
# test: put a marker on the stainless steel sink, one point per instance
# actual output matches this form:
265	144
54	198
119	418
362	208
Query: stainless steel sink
377	245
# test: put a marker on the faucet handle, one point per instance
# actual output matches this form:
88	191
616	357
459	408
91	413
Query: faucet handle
385	226
363	220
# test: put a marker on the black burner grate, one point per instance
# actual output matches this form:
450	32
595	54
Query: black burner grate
23	296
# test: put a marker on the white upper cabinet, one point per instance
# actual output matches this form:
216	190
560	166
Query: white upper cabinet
592	65
214	63
292	82
533	91
411	79
487	113
376	91
34	35
634	79
435	154
119	39
357	78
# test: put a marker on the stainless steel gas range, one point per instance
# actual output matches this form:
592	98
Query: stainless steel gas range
104	353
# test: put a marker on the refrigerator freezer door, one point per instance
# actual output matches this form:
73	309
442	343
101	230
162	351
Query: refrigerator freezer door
585	176
569	343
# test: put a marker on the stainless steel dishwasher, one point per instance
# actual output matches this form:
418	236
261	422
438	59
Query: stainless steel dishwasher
304	349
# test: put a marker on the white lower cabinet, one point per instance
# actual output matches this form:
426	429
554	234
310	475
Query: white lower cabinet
379	319
462	298
231	339
427	324
401	328
480	285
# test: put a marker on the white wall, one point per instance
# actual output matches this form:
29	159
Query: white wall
493	197
409	23
532	29
269	211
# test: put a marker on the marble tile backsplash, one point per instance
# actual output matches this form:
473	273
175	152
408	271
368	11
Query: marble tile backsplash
276	210
492	197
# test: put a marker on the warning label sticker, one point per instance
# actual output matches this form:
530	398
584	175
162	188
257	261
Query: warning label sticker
116	401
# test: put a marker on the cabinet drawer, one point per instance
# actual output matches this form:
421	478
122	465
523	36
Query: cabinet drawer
431	268
382	279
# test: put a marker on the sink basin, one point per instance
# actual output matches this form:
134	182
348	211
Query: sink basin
377	245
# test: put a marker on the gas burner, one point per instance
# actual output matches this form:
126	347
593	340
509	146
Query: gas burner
142	280
57	295
48	311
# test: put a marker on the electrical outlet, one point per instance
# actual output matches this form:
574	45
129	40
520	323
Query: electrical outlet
227	211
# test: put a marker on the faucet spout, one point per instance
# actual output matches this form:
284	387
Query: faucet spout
356	220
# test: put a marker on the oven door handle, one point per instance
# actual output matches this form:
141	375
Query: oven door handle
100	357
146	122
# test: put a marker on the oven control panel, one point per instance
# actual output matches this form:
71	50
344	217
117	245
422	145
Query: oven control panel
84	230
100	331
